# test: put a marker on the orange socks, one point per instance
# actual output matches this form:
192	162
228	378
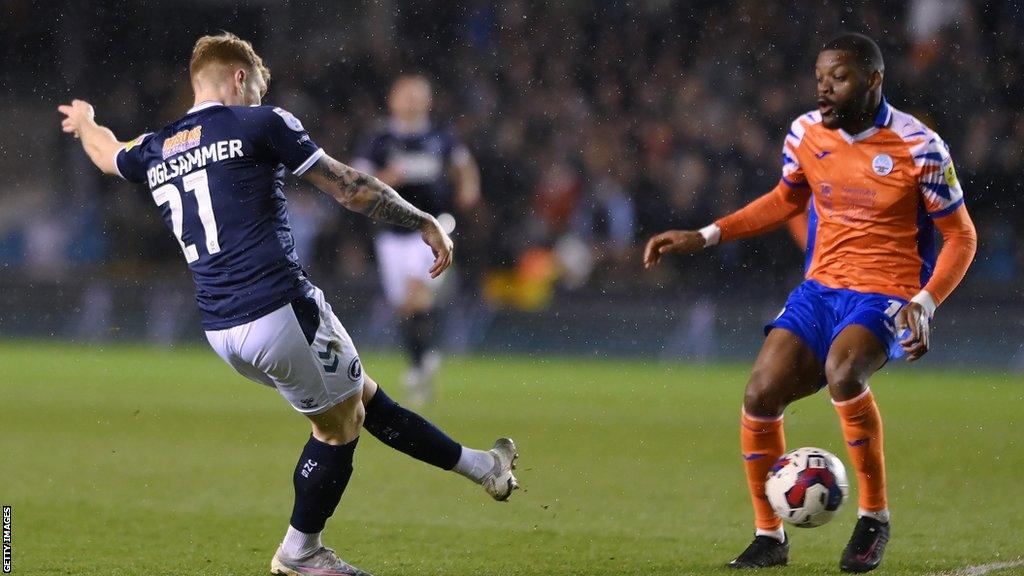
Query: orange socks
762	442
862	429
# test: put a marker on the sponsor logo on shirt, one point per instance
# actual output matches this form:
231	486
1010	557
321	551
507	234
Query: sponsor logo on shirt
182	141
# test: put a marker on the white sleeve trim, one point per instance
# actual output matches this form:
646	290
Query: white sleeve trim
116	167
309	162
926	301
712	234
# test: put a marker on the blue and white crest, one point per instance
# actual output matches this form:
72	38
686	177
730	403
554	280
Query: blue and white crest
882	164
355	370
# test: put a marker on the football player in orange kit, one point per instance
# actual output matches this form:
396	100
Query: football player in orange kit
878	182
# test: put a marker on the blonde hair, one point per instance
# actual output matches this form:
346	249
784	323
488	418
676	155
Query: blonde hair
226	48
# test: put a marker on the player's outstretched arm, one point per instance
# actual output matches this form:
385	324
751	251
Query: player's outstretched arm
762	215
367	195
98	141
674	242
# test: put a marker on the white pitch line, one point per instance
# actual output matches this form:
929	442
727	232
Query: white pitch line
982	569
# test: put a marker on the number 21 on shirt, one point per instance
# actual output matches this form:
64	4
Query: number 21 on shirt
199	184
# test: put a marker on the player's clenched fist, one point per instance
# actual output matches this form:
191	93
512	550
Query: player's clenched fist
76	114
914	319
674	241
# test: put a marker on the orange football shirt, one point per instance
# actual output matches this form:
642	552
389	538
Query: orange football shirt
874	196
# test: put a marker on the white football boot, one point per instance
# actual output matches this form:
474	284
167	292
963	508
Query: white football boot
323	562
500	482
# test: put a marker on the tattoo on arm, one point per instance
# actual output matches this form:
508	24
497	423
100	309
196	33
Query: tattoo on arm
367	195
394	209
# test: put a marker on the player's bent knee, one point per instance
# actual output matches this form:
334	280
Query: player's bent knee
841	390
761	397
845	380
340	424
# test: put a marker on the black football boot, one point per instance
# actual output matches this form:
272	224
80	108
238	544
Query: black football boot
763	552
867	545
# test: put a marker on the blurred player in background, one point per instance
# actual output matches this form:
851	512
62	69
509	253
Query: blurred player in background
879	182
427	165
217	176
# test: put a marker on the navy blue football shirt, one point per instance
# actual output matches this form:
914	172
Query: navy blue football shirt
422	158
217	175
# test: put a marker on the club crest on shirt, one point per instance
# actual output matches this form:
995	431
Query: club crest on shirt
290	120
882	164
184	140
355	370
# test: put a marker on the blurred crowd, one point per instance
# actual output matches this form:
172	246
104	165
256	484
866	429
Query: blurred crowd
594	124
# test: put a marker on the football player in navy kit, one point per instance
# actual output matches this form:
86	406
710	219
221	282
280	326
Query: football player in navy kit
216	175
428	166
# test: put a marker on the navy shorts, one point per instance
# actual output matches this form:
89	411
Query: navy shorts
817	314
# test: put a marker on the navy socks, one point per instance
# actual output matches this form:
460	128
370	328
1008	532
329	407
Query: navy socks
323	470
409	432
320	479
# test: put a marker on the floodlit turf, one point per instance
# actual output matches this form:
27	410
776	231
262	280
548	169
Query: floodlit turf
127	460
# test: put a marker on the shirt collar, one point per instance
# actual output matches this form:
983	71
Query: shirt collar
882	119
204	105
884	114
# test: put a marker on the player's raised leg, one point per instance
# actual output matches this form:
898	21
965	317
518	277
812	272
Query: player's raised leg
786	370
321	475
855	355
411	434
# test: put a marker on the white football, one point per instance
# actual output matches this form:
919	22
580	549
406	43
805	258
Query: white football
807	486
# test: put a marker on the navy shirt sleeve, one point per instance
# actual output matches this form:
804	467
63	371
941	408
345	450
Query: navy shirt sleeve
129	160
281	136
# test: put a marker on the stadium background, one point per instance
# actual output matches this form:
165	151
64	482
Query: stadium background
594	123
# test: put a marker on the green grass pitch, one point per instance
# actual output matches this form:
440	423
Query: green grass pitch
128	460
